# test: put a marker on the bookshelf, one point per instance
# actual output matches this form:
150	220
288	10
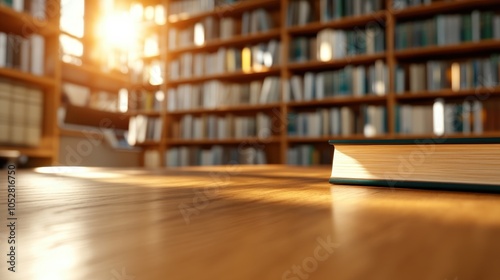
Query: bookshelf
30	80
376	66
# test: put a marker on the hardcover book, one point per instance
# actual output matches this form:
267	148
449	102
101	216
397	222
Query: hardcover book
434	163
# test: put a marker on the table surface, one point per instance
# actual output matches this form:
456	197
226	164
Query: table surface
234	222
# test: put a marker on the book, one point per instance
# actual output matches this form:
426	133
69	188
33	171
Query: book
433	163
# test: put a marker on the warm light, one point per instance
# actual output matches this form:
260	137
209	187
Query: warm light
136	11
160	96
160	17
325	52
119	31
246	60
155	74
455	76
151	47
149	13
199	34
438	113
123	100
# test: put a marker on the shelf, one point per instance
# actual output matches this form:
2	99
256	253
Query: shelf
22	23
430	137
41	81
439	51
145	87
190	142
341	100
80	133
481	93
30	152
343	23
92	77
147	143
441	7
239	40
324	139
227	10
227	109
337	63
231	76
149	113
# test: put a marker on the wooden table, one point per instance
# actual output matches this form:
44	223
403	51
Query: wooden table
267	222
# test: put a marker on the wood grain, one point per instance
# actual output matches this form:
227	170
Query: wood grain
254	223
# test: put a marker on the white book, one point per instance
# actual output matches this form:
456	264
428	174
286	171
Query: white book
466	117
335	121
297	88
476	26
3	49
18	5
347	121
266	90
132	131
477	111
320	86
37	54
38	9
308	86
141	127
496	27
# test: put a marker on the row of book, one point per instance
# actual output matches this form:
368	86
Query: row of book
337	9
452	74
145	100
215	155
307	155
215	94
403	4
21	114
211	28
34	7
369	120
448	29
358	80
191	7
221	127
334	44
256	58
142	128
300	12
24	54
147	72
83	96
148	14
443	118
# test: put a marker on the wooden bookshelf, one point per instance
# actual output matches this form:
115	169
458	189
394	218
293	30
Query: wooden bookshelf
93	77
236	41
223	10
226	109
24	25
387	18
335	64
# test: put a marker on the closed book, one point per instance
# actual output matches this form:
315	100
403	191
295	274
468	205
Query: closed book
5	112
418	163
34	116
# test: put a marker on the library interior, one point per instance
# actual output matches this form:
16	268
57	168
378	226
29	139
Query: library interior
249	139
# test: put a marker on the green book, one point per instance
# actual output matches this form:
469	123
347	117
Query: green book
486	25
466	28
470	164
